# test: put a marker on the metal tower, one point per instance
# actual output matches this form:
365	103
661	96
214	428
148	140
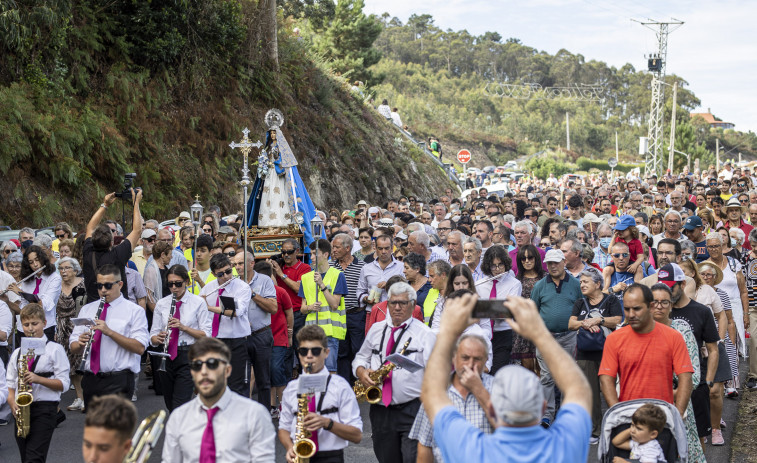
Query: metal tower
656	65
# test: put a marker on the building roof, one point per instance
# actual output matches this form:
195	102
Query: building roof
710	119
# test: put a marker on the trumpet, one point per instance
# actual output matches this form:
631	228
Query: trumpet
80	369
304	447
146	438
7	290
162	366
24	397
373	394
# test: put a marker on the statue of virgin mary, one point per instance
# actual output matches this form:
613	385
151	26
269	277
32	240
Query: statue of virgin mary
279	198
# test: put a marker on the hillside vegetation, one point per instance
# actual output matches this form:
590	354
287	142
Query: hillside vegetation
90	90
438	78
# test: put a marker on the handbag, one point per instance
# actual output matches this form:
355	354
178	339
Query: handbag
588	341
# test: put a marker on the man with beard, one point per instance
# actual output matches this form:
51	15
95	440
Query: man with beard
217	425
455	247
669	252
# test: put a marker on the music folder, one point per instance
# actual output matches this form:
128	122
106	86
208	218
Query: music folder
228	303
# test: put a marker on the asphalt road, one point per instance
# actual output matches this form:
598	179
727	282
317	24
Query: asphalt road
66	444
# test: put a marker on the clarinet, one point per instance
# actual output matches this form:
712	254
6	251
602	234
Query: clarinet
88	348
162	366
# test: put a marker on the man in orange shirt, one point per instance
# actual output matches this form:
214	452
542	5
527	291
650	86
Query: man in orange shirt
645	354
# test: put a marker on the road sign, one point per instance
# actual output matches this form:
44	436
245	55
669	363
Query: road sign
463	156
612	163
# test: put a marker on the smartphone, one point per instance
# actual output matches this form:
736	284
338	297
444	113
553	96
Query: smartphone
492	308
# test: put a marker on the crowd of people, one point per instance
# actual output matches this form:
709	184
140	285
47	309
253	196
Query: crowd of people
636	288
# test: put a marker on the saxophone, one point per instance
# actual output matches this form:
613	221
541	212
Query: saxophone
24	397
372	394
304	447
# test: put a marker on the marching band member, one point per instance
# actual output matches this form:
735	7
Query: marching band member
334	418
230	326
217	425
393	417
46	286
108	428
47	374
119	338
191	321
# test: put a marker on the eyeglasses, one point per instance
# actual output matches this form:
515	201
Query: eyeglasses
715	247
60	269
303	351
397	303
544	245
104	285
231	253
60	236
444	229
528	216
500	265
221	274
707	275
661	303
7	251
207	230
618	255
175	284
212	363
287	253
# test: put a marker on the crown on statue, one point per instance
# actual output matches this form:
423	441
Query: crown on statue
274	119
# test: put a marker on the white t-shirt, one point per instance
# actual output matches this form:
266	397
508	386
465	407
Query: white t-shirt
650	452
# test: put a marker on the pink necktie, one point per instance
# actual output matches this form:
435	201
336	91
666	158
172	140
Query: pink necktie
36	288
173	343
30	363
386	392
314	434
217	317
208	445
94	362
493	293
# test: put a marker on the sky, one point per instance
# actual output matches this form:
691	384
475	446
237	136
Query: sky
715	50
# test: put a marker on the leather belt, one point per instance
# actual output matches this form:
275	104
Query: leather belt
265	328
354	310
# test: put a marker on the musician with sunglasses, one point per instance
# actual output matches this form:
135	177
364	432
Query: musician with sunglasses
230	325
119	339
217	425
191	321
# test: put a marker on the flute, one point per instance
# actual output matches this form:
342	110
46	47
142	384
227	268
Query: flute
5	291
486	280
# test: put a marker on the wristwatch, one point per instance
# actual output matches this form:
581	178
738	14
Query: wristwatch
326	287
254	294
602	322
331	425
710	384
284	276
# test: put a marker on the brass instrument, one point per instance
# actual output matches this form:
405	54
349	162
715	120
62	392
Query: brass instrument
24	397
162	366
80	369
304	447
372	394
5	291
146	438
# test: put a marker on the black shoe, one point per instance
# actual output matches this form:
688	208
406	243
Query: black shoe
60	418
751	383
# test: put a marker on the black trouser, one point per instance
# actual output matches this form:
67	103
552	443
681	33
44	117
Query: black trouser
299	322
4	356
176	382
502	347
117	382
700	403
33	448
154	360
329	456
391	428
49	332
238	378
260	351
350	345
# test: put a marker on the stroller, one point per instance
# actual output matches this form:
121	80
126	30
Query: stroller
672	439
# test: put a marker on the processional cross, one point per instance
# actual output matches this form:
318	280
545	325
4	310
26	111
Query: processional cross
245	146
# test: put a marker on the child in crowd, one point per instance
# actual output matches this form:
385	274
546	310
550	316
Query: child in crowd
647	423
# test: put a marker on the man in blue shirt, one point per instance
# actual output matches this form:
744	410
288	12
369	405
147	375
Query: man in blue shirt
517	401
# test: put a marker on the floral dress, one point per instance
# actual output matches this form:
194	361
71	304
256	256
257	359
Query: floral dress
522	347
696	455
68	307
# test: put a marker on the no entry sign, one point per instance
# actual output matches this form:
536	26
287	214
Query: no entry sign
463	156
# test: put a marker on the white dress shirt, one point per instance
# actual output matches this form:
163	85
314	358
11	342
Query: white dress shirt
507	285
239	325
406	386
339	394
242	429
124	317
5	280
6	321
49	291
372	274
53	360
3	385
193	313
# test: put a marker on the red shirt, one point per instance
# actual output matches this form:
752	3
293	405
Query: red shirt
746	228
378	313
645	362
294	273
279	319
634	248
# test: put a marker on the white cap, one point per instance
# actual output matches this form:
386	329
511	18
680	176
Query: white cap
554	255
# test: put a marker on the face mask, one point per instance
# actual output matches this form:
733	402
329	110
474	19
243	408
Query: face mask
734	243
26	244
605	242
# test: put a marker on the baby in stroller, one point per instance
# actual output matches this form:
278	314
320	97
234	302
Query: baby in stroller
647	422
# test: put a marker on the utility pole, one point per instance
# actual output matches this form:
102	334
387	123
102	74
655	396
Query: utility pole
717	156
656	64
567	129
673	128
616	145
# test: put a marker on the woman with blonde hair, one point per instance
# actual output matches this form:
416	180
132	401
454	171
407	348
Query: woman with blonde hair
708	219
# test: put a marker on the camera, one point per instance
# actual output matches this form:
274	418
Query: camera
278	258
128	185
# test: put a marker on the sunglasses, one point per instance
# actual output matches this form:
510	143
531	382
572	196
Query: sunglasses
221	274
175	284
149	240
104	285
212	363
231	253
303	351
208	222
620	254
61	236
7	251
544	245
529	258
207	230
287	253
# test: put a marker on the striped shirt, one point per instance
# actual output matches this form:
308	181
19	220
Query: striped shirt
352	275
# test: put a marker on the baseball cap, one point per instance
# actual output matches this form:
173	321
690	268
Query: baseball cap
644	230
373	210
670	274
624	222
693	222
401	235
592	218
554	255
148	233
517	395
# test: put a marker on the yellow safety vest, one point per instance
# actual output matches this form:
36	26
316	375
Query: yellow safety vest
333	322
429	305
